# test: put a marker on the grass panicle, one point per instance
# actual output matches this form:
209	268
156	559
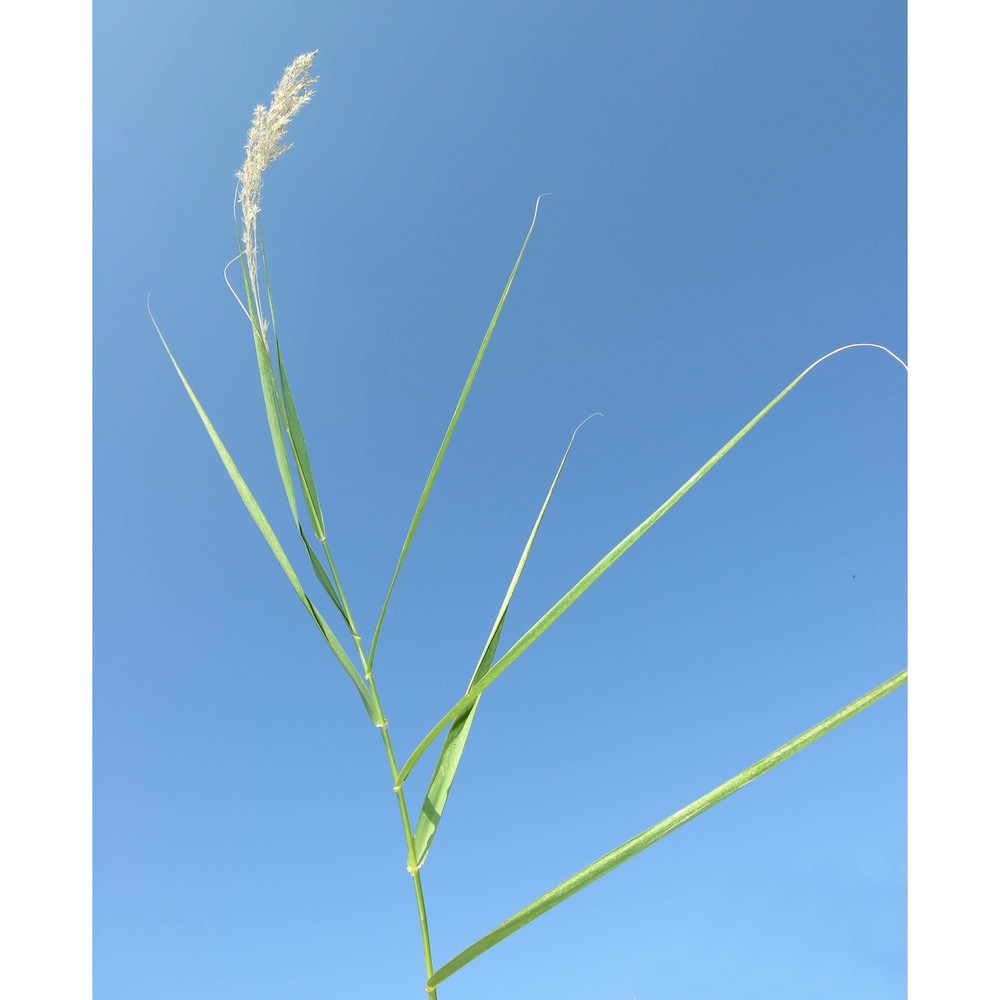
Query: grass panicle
265	143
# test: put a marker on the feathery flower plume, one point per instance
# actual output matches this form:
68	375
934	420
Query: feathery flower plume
264	146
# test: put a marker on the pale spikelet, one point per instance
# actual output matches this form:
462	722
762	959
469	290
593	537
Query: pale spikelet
264	146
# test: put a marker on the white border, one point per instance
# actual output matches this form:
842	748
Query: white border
45	691
954	277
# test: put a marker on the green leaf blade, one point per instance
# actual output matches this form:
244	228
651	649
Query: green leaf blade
647	838
274	421
296	437
447	763
439	458
281	413
294	426
601	567
322	575
264	527
454	746
269	391
301	452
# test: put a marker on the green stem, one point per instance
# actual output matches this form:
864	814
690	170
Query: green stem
411	856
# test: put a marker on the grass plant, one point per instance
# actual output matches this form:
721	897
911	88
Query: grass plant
265	143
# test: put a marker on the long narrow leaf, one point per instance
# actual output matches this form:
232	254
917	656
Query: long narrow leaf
300	451
571	596
268	390
454	744
279	425
656	833
274	422
422	502
322	576
448	761
278	416
257	515
292	423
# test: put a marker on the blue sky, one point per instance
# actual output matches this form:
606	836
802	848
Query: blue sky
728	205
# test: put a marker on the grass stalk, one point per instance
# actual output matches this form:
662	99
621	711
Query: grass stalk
264	145
412	865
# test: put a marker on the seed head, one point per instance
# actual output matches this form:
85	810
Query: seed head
264	146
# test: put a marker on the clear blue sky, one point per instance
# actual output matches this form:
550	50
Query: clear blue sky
728	205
